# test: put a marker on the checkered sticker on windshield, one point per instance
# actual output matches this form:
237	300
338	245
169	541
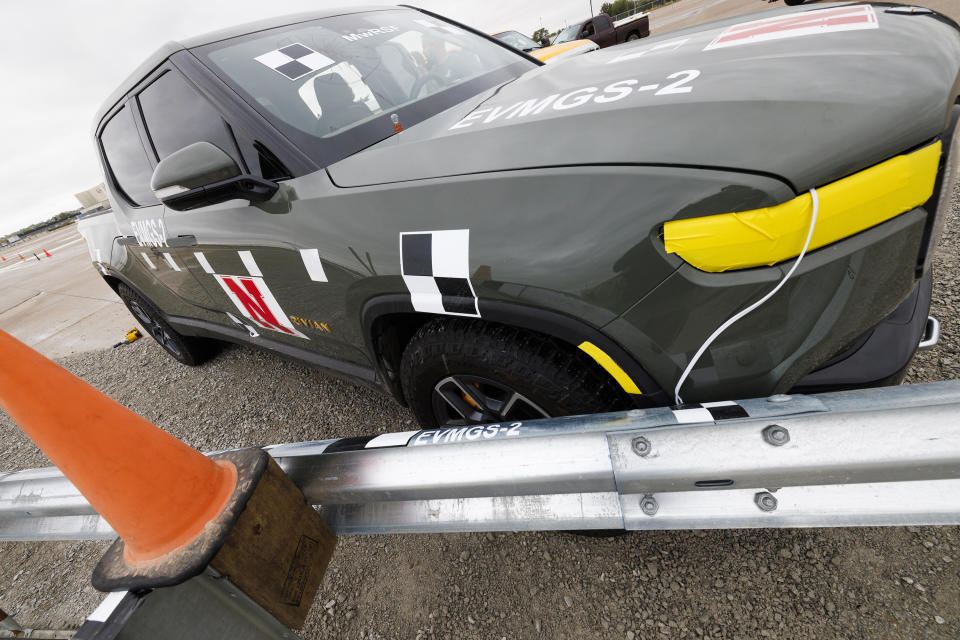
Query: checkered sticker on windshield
294	61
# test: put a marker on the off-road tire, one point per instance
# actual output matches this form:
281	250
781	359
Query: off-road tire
556	376
186	350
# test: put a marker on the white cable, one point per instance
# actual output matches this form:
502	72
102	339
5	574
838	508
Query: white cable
725	325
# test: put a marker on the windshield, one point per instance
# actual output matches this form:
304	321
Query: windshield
336	85
569	34
517	40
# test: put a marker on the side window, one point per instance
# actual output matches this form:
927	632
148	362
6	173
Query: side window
127	158
603	23
177	116
587	30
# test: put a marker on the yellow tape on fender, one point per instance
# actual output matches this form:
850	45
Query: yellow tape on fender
611	367
773	234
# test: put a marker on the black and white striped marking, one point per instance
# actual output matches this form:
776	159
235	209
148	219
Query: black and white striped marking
252	296
170	261
294	61
689	413
445	435
250	264
683	414
435	266
311	262
399	439
204	263
108	619
309	257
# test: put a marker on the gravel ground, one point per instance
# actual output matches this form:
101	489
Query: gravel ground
901	582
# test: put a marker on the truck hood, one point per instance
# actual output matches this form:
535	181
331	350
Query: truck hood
808	94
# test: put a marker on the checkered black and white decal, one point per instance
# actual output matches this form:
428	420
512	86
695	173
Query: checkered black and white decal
294	61
435	267
689	413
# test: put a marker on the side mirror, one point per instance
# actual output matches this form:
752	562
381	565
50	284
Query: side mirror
544	42
201	174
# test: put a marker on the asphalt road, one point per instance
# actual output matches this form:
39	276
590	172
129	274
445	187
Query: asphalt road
899	582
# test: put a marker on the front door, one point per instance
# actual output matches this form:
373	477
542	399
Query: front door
253	263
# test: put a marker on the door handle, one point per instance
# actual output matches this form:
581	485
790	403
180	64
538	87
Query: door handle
182	241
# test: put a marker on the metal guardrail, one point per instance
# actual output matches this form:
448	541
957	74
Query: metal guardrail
870	457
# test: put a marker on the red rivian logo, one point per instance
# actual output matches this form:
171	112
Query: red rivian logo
253	298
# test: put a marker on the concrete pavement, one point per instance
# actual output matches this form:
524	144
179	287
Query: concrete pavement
58	305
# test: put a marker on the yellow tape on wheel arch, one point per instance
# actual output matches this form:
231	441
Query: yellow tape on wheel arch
611	367
773	234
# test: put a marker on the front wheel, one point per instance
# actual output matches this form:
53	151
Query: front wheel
459	372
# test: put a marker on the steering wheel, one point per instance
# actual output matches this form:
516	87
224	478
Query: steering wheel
422	81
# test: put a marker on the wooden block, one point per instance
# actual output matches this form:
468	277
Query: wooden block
279	549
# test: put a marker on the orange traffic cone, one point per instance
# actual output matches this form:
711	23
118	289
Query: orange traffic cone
4	258
21	256
176	510
157	493
47	253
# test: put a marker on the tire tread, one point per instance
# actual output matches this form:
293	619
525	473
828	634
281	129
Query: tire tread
556	375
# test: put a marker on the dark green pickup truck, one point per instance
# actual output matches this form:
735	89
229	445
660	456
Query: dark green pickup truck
406	201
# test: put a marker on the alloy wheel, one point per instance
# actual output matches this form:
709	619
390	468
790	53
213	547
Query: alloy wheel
464	399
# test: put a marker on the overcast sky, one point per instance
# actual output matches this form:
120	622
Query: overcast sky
59	59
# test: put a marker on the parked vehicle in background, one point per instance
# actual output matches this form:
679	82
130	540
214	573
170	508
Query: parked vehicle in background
546	53
605	32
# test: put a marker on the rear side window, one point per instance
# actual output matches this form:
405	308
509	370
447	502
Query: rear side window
603	23
177	116
127	158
